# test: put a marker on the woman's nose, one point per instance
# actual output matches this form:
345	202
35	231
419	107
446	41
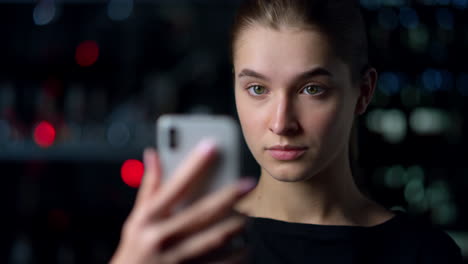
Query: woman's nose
283	121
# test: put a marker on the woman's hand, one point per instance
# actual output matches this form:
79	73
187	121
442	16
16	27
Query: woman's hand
154	234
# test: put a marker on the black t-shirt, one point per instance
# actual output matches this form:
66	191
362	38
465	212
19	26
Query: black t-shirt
399	240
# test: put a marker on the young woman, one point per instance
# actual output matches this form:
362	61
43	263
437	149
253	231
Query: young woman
301	78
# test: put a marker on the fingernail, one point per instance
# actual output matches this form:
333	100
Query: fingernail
245	185
147	155
206	146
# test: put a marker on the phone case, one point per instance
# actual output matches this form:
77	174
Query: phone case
188	131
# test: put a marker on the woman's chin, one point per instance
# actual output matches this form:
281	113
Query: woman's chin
288	174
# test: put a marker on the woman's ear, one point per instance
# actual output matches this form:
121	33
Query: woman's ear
366	89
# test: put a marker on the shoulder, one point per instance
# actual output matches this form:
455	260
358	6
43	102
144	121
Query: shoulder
440	246
432	244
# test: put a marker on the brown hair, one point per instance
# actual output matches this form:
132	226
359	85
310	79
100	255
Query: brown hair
340	20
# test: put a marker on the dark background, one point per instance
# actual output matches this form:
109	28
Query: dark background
65	202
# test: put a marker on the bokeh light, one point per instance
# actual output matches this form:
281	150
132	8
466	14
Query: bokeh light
391	124
460	4
373	119
5	131
418	38
395	177
414	191
429	121
44	12
443	2
389	83
44	134
388	18
435	2
370	4
415	172
119	10
22	250
394	126
428	2
132	172
438	193
444	214
439	197
118	134
431	80
462	84
435	80
87	53
444	18
409	17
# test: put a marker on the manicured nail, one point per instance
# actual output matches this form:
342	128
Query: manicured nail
245	185
206	146
147	155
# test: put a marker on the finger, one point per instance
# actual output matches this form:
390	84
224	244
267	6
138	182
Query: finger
191	171
152	176
208	239
208	210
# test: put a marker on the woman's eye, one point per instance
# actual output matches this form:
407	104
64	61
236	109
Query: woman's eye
313	89
256	90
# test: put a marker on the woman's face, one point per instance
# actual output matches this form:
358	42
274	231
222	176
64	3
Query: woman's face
294	99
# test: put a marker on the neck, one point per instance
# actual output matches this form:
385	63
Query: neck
329	197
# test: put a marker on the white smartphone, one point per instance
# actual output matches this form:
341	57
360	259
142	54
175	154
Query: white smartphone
177	135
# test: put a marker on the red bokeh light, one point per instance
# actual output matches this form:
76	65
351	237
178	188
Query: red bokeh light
44	134
87	53
132	172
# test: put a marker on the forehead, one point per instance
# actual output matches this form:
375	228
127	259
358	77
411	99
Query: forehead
282	50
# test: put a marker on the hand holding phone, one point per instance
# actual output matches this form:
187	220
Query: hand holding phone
156	233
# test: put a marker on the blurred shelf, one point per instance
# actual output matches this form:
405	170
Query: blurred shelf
85	151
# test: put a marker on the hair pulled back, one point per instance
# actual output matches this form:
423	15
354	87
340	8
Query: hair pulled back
340	20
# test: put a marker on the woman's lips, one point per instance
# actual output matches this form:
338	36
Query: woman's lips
286	153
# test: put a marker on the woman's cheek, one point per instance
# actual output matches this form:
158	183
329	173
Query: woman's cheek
245	116
321	117
252	122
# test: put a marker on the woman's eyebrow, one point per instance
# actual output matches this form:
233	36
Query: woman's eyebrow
252	73
318	71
